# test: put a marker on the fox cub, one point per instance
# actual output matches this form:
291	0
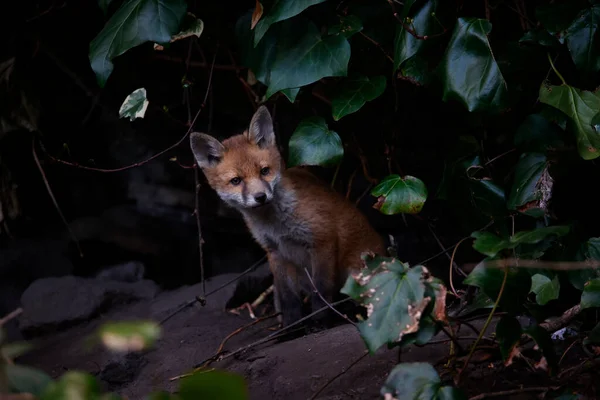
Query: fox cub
297	219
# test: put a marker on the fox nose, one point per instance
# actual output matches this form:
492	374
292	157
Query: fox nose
260	197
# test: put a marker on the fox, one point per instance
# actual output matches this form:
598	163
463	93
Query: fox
299	221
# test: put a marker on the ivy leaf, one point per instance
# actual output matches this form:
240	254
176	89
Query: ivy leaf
593	337
260	58
540	36
135	105
134	23
26	379
418	380
589	251
469	71
508	332
416	71
596	122
406	45
313	57
557	17
545	289
537	134
291	93
396	297
400	195
126	336
581	107
312	143
73	385
348	26
280	11
490	245
214	384
583	40
591	294
489	280
354	93
532	187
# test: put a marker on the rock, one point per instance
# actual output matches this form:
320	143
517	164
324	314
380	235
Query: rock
132	271
52	303
122	370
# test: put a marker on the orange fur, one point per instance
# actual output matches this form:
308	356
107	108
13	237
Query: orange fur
298	220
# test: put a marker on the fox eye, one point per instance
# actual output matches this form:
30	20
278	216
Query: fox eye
236	181
265	171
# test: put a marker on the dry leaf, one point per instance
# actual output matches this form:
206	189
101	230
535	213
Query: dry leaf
258	12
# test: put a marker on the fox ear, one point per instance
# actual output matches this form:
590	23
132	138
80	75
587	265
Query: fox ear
261	128
207	150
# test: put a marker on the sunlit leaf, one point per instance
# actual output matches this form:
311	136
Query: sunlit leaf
397	194
129	335
397	299
135	105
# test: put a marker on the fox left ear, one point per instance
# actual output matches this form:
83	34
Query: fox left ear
261	128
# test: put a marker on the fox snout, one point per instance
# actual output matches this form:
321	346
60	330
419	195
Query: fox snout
258	192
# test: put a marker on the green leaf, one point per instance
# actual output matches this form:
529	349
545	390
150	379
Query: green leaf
15	349
313	57
291	93
73	385
406	45
312	143
353	93
215	384
537	134
135	105
583	40
557	17
134	23
259	58
596	122
418	380
508	333
470	73
162	395
395	297
545	289
489	280
400	195
191	26
532	187
416	71
24	379
581	107
591	294
588	251
104	4
488	244
129	336
593	337
280	11
540	36
348	26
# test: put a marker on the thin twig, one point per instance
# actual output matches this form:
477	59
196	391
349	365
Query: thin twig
509	392
485	326
200	239
498	156
379	46
524	263
51	194
314	396
11	315
410	30
315	290
452	263
197	299
280	331
160	153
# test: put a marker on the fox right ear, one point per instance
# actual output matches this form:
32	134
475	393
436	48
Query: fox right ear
207	150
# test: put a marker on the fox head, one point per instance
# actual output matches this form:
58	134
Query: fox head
244	169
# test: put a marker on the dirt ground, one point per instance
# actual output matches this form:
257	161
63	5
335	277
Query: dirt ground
291	370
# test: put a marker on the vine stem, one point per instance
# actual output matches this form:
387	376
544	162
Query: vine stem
485	326
452	264
555	70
